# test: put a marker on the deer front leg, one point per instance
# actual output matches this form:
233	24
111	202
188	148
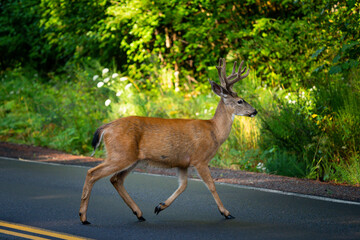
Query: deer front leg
204	173
182	186
118	182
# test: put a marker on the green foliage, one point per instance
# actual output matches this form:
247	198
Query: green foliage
71	28
53	115
342	20
285	41
284	163
320	138
348	172
287	138
174	35
19	32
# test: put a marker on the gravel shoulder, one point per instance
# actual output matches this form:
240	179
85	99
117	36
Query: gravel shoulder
258	180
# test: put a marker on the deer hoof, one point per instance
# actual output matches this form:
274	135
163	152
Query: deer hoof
83	222
229	217
141	219
158	208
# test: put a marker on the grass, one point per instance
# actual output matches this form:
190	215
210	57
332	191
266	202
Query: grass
51	114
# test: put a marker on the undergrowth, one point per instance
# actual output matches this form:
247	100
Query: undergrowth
51	113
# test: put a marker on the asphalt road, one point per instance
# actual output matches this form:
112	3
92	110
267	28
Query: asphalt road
48	197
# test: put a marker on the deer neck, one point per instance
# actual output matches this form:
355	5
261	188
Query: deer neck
222	121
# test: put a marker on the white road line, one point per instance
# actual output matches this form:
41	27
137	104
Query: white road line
220	183
294	194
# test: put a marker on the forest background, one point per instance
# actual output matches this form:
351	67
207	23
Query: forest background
67	67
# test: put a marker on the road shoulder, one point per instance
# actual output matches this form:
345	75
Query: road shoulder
250	179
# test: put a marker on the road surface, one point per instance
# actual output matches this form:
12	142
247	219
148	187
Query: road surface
47	196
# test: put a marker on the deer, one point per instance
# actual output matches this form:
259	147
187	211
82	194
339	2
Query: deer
168	143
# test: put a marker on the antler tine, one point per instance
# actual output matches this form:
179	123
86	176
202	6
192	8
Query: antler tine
239	73
222	72
233	74
234	67
246	74
240	68
242	71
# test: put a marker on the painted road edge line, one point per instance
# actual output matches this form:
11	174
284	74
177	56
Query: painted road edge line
334	200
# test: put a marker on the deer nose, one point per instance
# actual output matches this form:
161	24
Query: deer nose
254	113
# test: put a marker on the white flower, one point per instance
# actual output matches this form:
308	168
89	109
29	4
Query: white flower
100	84
177	89
95	77
114	75
106	80
105	71
261	166
107	102
123	78
118	94
128	86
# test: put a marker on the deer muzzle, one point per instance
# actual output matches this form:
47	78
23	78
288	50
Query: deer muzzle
253	114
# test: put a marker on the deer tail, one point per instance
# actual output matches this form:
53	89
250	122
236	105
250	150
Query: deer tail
98	135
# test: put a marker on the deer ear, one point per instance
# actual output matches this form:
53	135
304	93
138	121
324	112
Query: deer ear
219	90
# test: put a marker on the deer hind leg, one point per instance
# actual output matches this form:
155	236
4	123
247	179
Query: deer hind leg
204	173
182	172
118	182
93	175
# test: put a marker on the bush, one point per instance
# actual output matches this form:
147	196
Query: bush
284	163
49	114
320	138
19	32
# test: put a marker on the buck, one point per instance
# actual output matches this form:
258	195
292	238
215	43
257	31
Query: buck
168	143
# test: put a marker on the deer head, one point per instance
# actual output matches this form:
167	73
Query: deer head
236	104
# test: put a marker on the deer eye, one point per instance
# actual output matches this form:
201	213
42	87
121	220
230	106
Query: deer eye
240	101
